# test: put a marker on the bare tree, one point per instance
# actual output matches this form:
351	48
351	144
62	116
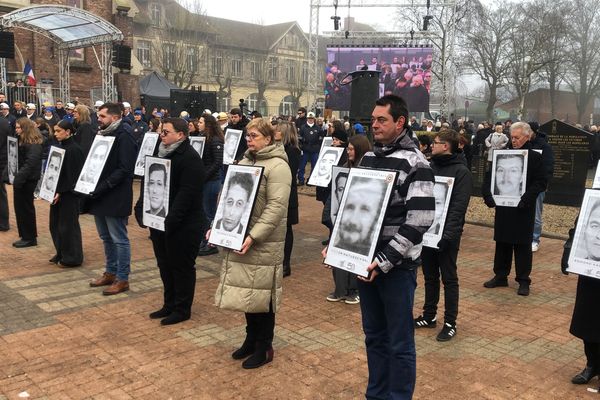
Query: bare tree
296	83
584	53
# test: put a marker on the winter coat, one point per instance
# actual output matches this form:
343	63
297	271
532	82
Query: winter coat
454	165
293	155
71	165
84	136
113	196
5	132
515	224
213	158
251	282
30	164
495	141
310	138
540	142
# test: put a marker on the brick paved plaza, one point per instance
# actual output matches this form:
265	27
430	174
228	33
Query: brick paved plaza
61	339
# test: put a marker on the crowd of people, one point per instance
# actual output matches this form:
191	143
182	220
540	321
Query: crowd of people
251	277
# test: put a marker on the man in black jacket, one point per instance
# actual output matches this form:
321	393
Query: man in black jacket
310	136
110	202
539	141
445	161
238	121
5	131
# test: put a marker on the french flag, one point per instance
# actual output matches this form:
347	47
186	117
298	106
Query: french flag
28	72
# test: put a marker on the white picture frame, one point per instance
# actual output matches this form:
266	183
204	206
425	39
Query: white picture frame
56	156
328	157
232	142
339	179
442	191
509	176
326	142
596	181
235	206
198	142
146	149
94	164
360	219
584	258
12	162
157	184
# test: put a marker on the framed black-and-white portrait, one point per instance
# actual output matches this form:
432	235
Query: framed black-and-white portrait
157	181
235	206
54	164
197	143
596	181
359	219
442	191
94	164
232	141
509	176
327	142
328	157
339	178
146	149
12	166
585	251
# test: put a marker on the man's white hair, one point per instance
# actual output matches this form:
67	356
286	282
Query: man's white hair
524	126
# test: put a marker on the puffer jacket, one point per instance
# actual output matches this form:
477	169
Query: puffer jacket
252	281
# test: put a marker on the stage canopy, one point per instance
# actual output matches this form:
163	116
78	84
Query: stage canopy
156	85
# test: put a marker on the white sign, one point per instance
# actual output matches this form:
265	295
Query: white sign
585	252
338	184
13	158
197	143
509	176
442	191
54	164
94	164
232	141
146	149
157	182
328	157
327	142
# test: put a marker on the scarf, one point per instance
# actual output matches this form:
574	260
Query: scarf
109	129
164	150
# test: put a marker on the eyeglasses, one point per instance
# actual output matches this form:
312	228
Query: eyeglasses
252	136
165	132
439	142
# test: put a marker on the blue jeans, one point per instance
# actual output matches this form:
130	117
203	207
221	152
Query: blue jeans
210	195
113	232
307	156
537	226
387	317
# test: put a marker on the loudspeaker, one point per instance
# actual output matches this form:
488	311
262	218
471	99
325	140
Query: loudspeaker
7	44
364	93
121	56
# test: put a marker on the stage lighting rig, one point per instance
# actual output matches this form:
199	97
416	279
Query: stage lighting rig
426	20
335	18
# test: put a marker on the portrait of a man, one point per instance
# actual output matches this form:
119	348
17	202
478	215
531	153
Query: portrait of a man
327	159
359	215
232	139
339	184
157	190
12	159
198	145
440	191
235	199
52	172
509	175
95	162
147	149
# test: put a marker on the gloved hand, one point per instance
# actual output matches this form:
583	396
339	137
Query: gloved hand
444	244
489	201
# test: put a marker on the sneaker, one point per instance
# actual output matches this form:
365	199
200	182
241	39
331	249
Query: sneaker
422	322
535	247
447	332
352	300
333	298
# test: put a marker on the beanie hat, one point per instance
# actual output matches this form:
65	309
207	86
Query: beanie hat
340	135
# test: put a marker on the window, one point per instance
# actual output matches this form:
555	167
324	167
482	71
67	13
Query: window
224	103
305	72
236	68
254	104
143	53
192	59
169	56
288	105
254	69
290	71
273	69
216	67
154	11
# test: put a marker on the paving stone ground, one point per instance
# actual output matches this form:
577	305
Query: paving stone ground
61	339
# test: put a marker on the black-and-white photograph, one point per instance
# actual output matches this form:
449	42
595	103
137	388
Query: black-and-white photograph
327	142
197	143
94	164
13	158
156	192
232	141
509	176
359	221
596	181
442	191
56	156
235	206
328	157
146	149
585	253
339	179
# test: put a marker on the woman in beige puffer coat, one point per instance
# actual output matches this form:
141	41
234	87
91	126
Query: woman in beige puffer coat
251	278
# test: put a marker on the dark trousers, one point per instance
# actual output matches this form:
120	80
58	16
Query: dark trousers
307	156
436	263
592	353
65	230
387	306
260	328
345	283
287	249
523	260
25	211
4	225
176	259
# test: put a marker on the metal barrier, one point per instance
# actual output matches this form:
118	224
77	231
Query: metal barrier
37	95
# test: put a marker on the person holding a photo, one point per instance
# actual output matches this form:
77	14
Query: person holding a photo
513	226
446	161
251	278
177	247
26	179
64	211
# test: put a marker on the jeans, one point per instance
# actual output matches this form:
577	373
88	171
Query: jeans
210	196
537	226
307	156
113	232
387	317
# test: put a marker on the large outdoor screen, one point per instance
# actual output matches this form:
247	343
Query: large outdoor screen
405	72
